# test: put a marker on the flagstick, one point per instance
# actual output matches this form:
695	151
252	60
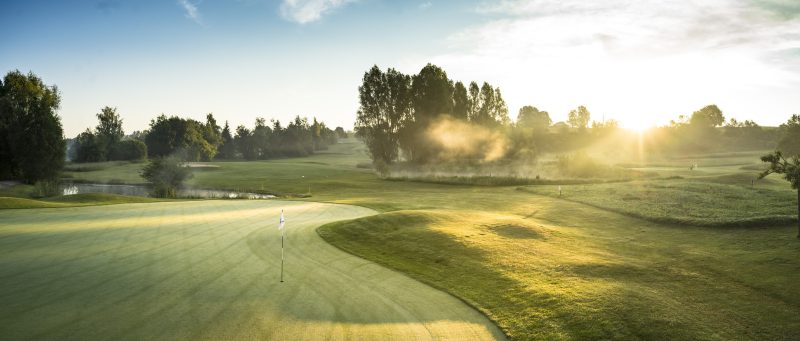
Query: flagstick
281	227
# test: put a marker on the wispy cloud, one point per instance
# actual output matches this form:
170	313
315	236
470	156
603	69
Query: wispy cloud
628	55
425	5
306	11
191	10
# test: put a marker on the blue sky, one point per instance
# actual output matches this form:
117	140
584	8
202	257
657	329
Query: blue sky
640	62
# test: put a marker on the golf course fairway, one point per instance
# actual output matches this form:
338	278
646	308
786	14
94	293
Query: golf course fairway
208	270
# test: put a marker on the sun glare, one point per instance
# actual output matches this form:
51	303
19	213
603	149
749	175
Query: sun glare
639	126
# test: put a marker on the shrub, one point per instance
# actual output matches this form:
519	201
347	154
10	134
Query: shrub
166	175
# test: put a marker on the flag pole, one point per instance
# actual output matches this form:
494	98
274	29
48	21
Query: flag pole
281	227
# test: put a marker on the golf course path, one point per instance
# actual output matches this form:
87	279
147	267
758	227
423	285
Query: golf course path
208	270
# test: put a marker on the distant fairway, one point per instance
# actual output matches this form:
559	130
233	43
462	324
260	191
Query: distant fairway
208	270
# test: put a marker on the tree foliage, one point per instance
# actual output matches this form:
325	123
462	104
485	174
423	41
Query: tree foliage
709	116
398	113
227	148
790	142
109	128
32	145
790	169
183	138
385	107
299	138
579	118
461	102
531	117
107	141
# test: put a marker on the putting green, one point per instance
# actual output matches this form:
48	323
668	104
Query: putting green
207	270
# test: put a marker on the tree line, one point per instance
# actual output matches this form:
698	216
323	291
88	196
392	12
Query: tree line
192	140
33	147
398	118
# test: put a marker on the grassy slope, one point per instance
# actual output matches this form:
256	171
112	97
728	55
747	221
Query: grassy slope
551	269
77	200
554	269
686	202
207	270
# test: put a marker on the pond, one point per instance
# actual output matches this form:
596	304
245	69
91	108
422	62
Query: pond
144	191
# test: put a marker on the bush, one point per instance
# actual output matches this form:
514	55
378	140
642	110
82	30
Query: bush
166	175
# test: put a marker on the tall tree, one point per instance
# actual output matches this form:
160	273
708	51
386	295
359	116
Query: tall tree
108	131
316	134
88	148
32	145
579	118
244	143
531	117
790	142
432	94
500	110
262	140
790	168
212	131
475	103
487	106
460	102
227	150
708	117
174	136
384	106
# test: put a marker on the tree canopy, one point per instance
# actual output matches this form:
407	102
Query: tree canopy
708	116
32	145
579	117
531	117
790	142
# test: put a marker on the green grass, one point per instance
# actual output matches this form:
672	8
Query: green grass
547	268
686	202
544	268
207	270
326	171
83	199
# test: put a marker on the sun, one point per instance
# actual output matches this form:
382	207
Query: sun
638	126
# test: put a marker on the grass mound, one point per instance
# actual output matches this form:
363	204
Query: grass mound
557	270
83	199
11	203
107	198
687	202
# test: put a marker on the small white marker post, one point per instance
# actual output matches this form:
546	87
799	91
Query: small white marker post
280	227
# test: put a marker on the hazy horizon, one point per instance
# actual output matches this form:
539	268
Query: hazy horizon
641	63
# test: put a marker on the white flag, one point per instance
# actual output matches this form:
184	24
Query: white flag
280	227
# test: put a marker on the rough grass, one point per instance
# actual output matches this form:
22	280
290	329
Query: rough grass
496	180
686	202
83	199
548	269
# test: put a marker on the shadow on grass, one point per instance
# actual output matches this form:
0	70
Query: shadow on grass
515	231
406	241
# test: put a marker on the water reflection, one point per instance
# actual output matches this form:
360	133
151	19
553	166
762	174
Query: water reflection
144	191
